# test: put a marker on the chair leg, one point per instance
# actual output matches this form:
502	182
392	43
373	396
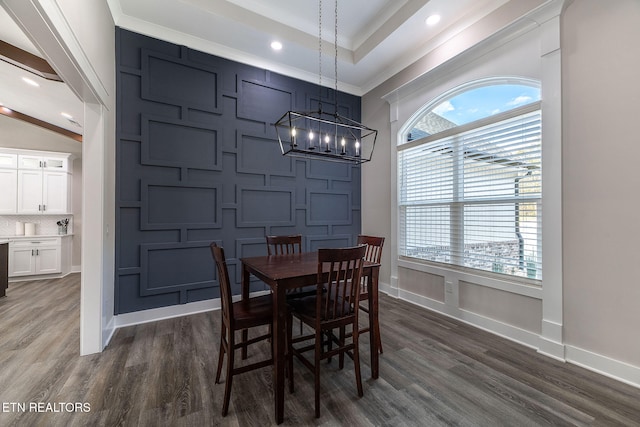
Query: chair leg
221	352
316	373
374	326
290	350
356	361
229	379
341	356
245	338
329	343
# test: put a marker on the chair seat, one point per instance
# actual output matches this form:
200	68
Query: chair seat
305	308
253	312
304	291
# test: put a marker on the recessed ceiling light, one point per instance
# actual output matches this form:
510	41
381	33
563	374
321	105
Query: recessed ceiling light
276	45
433	20
66	115
31	82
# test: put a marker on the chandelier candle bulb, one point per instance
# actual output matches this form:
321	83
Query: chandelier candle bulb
344	146
327	139
293	137
357	148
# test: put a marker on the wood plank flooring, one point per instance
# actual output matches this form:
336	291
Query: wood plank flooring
435	372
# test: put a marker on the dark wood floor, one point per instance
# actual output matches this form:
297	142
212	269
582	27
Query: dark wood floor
434	372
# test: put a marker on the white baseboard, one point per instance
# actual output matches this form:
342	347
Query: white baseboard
108	331
156	314
76	269
162	313
510	332
621	371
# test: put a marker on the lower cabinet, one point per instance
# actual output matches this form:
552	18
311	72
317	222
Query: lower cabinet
35	256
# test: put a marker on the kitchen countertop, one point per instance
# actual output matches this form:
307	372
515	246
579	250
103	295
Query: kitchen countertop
37	236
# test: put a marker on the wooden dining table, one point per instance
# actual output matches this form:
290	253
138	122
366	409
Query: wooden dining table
287	271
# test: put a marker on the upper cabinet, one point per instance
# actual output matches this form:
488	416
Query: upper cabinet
42	183
35	162
8	183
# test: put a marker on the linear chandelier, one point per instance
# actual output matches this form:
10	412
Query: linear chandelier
321	134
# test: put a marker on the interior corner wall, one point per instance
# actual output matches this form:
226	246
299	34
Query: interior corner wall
198	161
600	184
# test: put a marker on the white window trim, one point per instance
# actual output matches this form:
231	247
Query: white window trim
547	21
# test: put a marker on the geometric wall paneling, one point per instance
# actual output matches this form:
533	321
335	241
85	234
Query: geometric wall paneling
132	105
202	235
257	154
254	96
318	169
175	267
167	142
128	159
249	247
265	206
197	87
170	205
329	207
197	161
334	241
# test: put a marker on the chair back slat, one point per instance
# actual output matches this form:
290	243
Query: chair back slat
280	245
223	282
374	247
336	296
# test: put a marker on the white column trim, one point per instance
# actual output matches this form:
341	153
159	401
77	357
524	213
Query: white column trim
551	338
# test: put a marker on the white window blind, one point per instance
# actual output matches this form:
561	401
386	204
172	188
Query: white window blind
473	198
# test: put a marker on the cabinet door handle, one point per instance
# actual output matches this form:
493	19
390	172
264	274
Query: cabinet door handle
37	252
44	208
32	252
44	164
39	208
40	163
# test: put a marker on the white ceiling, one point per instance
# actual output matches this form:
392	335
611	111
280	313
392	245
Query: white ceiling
376	39
45	102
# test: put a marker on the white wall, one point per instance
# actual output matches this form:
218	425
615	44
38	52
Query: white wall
601	183
595	307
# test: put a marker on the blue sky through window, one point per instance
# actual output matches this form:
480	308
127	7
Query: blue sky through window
485	101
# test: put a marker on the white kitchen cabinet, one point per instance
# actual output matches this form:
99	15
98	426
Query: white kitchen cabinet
9	186
8	183
42	182
43	192
35	256
8	161
43	162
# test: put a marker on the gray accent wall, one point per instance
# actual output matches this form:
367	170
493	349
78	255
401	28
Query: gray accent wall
198	161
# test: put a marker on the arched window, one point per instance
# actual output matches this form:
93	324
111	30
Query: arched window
469	174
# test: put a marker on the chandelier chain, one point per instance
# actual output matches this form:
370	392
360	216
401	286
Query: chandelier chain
320	55
335	44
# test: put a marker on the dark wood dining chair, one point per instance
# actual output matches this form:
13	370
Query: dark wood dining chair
334	306
279	245
373	254
241	315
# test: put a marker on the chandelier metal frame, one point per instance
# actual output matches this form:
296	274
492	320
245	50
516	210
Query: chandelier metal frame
321	134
